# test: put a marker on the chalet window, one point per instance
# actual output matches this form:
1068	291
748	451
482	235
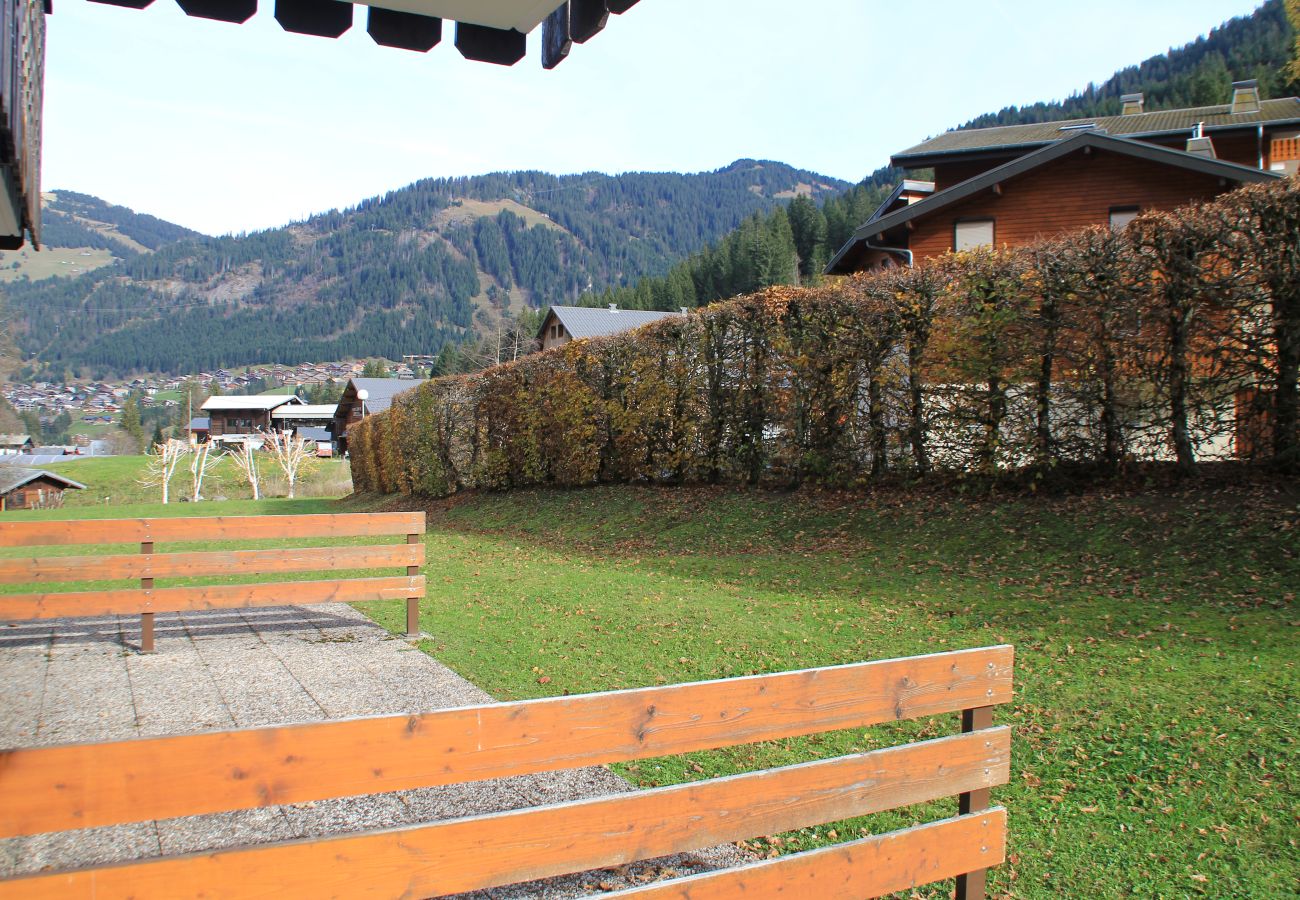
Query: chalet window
973	233
1120	216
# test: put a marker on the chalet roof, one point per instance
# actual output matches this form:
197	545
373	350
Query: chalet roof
381	391
14	477
598	321
239	401
200	423
485	30
876	227
1144	125
14	440
306	411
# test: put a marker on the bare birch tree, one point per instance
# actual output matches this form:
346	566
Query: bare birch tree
163	463
202	465
291	454
246	462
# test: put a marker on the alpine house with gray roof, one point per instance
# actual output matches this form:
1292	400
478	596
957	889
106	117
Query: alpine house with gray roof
1013	184
569	323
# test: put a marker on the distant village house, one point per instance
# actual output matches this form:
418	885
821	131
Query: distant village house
569	323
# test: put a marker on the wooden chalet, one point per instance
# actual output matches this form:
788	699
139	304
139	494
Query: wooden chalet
23	488
15	444
1014	184
567	323
234	418
364	397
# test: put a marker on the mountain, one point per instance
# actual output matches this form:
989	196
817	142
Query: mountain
790	245
404	273
81	233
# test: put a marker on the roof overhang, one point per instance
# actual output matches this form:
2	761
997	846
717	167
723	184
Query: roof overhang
875	229
486	30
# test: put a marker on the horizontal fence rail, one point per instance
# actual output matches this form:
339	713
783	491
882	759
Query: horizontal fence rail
86	785
208	528
871	867
217	562
505	848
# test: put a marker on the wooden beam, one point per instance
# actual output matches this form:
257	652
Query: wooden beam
86	785
505	848
207	528
403	30
55	569
556	40
587	19
128	601
872	867
505	47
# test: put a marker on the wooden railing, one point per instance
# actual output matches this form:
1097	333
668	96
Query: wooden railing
147	600
86	785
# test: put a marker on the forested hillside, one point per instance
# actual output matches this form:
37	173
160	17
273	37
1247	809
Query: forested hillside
790	246
444	261
70	219
408	272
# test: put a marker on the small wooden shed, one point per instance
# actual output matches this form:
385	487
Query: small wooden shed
22	488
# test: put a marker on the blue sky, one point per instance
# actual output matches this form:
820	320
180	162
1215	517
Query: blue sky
229	128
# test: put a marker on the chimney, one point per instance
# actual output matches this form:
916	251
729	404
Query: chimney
1132	104
1245	97
1199	144
684	310
613	307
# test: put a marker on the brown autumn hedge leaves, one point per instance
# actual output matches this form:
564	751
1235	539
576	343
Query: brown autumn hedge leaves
1177	338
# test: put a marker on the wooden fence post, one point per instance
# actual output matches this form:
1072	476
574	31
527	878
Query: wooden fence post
412	603
146	619
971	885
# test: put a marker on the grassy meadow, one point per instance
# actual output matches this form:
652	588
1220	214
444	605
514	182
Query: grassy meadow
1156	706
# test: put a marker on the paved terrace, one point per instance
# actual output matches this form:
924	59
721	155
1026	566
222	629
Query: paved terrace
82	680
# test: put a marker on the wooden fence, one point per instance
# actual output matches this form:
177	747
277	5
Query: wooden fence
146	565
85	785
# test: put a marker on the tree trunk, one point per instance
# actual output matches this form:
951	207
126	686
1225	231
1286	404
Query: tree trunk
996	411
1043	387
1286	394
1110	430
916	411
1179	378
876	422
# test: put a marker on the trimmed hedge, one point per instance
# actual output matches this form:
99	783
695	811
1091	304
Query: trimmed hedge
1177	338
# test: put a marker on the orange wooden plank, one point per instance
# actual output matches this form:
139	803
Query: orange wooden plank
221	596
208	528
219	562
872	867
85	785
486	851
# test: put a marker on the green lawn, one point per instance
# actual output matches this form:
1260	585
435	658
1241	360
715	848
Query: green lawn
1156	711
